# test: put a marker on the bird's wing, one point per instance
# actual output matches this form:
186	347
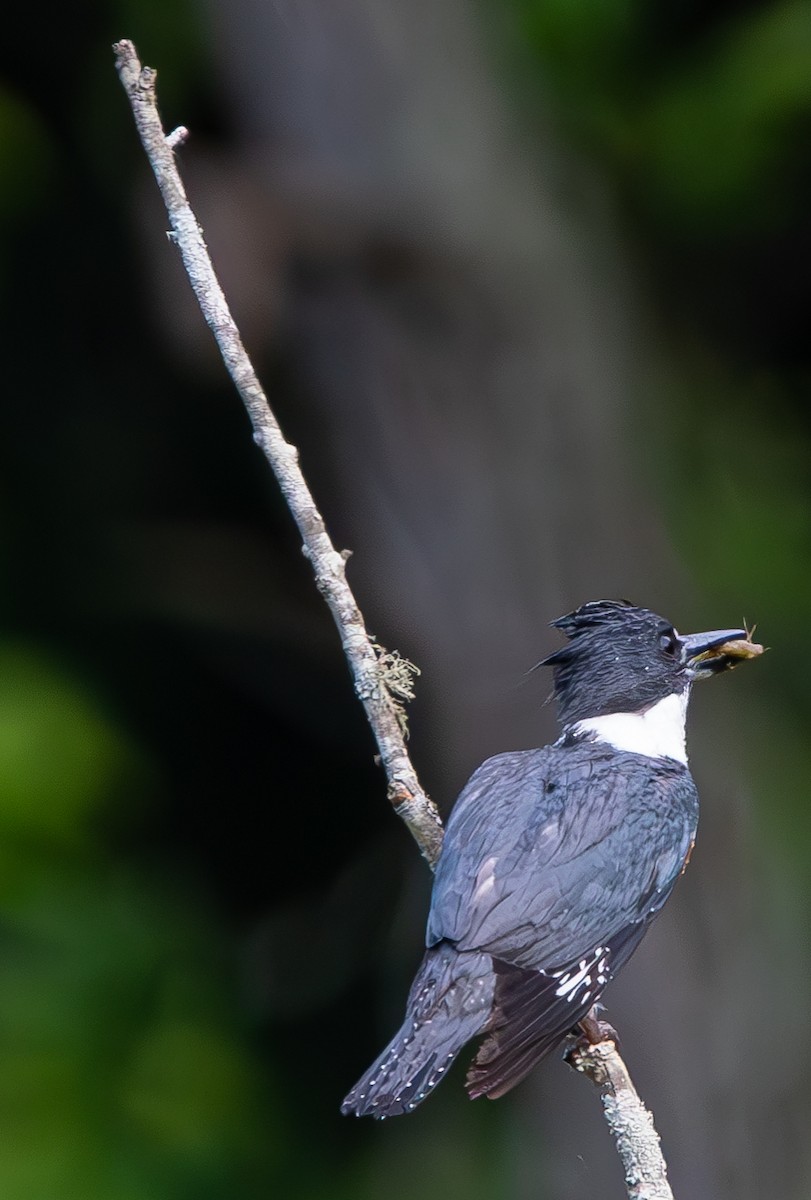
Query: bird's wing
534	1010
551	853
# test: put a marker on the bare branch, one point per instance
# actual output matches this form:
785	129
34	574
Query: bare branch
630	1123
382	679
407	796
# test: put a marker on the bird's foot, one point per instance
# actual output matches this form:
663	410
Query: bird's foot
590	1031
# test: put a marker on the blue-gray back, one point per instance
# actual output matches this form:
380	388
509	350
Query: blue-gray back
550	852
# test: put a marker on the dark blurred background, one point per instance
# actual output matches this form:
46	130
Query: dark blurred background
528	282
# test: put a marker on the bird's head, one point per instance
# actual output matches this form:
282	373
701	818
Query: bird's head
624	659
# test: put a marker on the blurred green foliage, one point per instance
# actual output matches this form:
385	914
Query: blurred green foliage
700	110
124	1071
717	143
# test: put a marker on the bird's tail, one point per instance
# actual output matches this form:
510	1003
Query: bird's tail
449	1003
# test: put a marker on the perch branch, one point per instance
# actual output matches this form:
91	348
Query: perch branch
378	676
630	1123
369	666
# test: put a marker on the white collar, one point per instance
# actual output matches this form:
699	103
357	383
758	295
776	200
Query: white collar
658	732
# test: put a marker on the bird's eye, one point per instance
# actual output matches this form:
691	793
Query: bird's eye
668	642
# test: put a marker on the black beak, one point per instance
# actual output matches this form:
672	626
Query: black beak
710	653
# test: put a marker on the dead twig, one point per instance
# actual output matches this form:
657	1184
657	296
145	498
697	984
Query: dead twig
409	800
630	1123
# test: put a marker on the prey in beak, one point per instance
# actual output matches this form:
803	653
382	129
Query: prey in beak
707	654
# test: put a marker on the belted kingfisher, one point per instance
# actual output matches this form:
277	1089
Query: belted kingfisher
556	861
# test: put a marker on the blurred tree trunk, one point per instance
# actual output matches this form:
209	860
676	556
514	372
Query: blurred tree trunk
459	317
